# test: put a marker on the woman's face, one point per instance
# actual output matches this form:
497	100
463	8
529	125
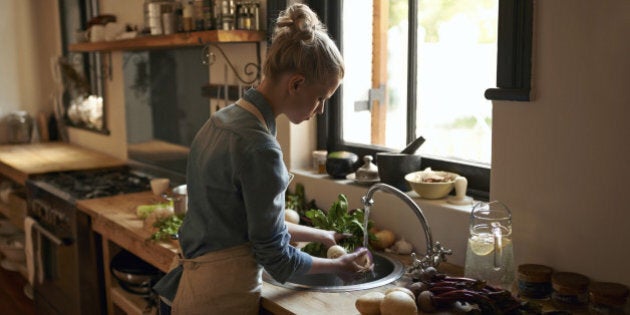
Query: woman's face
309	99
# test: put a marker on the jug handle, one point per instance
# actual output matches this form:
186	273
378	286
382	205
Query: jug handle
498	245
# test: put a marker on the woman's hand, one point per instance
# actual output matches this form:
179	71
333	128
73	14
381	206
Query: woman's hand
302	233
356	262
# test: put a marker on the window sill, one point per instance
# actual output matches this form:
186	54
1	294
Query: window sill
325	179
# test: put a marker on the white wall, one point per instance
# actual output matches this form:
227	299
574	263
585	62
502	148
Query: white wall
561	161
30	37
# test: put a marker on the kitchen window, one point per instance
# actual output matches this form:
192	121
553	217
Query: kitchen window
429	80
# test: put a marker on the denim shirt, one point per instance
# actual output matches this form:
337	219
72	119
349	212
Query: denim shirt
236	181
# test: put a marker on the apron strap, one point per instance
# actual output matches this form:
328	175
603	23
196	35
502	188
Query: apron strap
253	110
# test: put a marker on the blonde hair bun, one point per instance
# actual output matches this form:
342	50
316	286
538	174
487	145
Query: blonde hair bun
300	44
299	22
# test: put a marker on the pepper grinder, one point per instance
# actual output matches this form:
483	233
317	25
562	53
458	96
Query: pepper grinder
460	198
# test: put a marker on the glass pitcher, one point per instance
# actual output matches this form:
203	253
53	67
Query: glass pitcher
490	252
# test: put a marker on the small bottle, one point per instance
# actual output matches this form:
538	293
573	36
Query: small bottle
187	17
534	281
607	298
570	290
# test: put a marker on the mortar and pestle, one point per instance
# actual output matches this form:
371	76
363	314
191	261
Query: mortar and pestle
392	166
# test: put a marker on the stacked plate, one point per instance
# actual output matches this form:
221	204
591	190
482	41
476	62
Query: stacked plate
11	247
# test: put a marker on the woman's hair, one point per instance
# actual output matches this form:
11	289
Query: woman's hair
300	44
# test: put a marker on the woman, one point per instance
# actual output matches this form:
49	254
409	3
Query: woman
237	181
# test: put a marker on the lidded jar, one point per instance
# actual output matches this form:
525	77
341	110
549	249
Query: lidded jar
368	172
607	297
19	127
570	290
534	281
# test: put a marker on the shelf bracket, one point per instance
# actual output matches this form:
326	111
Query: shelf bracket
250	69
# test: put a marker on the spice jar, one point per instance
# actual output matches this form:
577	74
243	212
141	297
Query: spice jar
570	290
534	281
607	298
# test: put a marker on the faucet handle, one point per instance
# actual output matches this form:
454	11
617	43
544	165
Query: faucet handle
439	253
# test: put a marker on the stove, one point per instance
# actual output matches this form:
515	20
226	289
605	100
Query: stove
70	252
78	185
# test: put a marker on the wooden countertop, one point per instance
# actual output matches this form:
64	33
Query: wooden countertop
20	161
114	217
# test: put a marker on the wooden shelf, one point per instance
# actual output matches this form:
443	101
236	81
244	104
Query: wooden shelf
131	304
189	39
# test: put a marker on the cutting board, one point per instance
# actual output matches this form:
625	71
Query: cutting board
18	162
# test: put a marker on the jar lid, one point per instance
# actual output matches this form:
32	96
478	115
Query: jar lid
608	293
569	283
534	273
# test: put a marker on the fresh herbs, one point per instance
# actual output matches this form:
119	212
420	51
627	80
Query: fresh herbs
339	219
167	228
297	200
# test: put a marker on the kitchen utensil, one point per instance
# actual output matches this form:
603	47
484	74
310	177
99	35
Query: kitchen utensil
134	274
392	168
413	146
490	251
179	197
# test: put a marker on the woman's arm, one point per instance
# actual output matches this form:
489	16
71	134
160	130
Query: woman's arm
303	233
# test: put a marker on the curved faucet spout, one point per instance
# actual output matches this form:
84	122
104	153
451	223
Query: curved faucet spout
435	253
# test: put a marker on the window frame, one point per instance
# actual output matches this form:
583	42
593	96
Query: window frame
513	83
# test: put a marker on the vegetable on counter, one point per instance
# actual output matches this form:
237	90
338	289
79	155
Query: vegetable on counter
395	301
339	219
167	228
439	292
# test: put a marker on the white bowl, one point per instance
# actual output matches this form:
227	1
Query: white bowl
421	182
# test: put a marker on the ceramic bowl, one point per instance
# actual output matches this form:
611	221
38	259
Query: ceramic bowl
340	163
431	184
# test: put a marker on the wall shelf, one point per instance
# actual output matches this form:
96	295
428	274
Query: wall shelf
188	39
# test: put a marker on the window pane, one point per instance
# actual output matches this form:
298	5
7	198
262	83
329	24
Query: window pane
357	51
362	55
456	63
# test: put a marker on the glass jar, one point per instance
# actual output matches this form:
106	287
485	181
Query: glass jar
534	281
570	290
19	127
607	298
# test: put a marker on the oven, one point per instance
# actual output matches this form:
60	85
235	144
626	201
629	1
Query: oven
67	253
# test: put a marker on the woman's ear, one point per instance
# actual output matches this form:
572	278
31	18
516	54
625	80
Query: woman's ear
296	81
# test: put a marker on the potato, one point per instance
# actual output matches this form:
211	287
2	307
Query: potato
292	216
384	239
369	303
398	303
401	289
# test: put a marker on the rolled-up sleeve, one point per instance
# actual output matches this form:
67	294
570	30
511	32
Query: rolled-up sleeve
264	180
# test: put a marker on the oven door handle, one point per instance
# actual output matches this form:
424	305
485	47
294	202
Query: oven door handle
58	241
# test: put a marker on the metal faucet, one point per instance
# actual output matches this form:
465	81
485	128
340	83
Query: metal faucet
435	253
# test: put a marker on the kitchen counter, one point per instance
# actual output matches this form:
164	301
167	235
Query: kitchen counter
115	219
18	162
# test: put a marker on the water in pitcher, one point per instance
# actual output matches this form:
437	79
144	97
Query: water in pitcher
490	251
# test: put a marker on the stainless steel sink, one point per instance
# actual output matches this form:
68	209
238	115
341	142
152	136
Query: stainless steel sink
386	270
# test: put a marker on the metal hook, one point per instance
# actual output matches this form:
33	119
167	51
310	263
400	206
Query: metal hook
207	57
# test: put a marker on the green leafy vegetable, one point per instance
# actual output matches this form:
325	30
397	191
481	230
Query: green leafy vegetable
297	200
168	227
340	220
